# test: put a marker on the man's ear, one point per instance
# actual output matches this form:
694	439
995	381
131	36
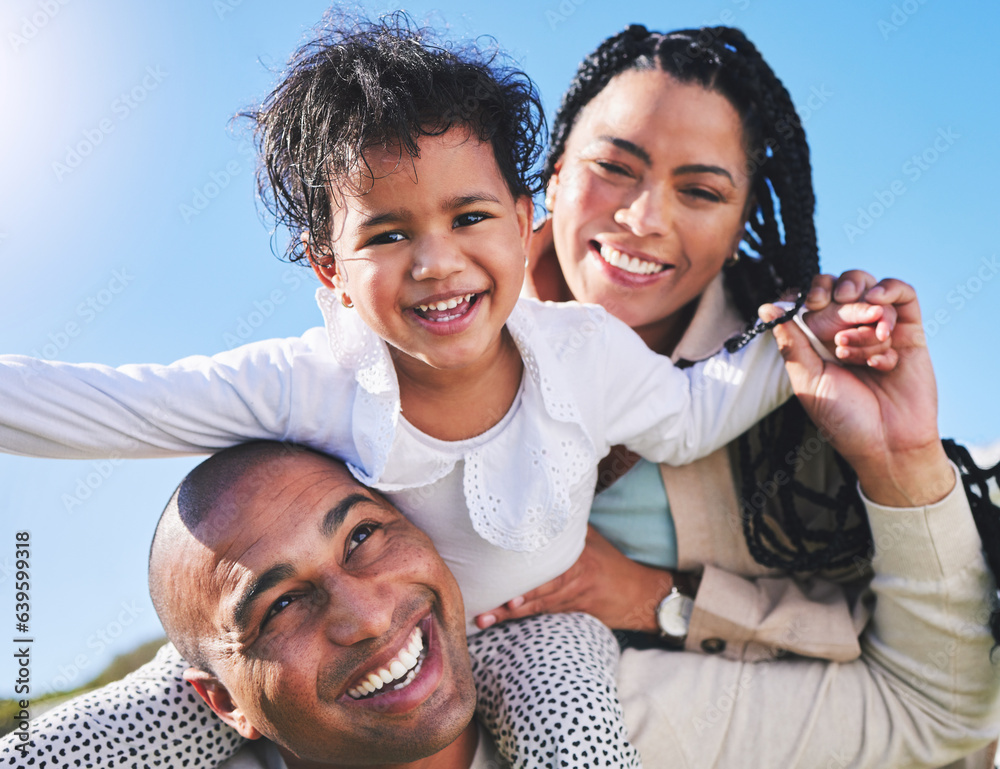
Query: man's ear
324	265
218	699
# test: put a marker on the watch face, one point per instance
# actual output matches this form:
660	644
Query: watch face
674	615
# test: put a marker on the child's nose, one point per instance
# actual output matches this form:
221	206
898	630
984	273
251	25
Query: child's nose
436	259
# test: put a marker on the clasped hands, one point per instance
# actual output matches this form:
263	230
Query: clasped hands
880	410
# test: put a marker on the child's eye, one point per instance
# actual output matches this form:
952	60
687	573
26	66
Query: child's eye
384	238
360	535
473	217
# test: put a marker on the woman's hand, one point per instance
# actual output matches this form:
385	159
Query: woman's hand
883	422
858	330
618	591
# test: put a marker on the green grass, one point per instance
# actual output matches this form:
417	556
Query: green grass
120	667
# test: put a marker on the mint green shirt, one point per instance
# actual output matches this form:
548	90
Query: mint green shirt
633	513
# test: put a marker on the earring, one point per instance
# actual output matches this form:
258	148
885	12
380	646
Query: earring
346	301
550	199
733	259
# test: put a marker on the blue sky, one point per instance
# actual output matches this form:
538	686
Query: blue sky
129	230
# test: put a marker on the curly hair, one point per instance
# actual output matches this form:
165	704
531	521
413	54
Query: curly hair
359	85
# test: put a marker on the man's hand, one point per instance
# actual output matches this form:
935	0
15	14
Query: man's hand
883	422
621	593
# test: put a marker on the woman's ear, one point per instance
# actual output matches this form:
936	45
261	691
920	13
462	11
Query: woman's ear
552	187
525	208
219	700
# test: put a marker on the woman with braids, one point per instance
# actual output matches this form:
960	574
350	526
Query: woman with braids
635	262
680	198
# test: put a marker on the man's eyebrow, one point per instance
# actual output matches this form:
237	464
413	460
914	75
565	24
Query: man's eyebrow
698	168
630	147
336	515
259	586
273	576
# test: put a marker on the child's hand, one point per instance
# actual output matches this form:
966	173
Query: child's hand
854	318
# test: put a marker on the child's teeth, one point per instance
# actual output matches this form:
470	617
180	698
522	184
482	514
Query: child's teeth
449	304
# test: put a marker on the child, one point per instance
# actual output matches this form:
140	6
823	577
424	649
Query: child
406	169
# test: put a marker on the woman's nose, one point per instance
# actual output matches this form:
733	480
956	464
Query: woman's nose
646	214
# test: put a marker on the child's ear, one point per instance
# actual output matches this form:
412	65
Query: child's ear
219	700
324	265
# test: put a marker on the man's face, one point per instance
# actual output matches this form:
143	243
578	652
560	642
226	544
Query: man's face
320	587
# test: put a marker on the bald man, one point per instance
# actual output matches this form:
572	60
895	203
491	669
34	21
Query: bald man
287	585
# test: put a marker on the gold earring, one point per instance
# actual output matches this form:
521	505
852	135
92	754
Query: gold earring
550	199
733	259
346	301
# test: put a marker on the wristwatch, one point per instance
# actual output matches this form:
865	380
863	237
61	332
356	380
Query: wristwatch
673	615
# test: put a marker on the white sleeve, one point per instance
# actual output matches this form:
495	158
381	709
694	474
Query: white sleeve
196	405
673	415
923	694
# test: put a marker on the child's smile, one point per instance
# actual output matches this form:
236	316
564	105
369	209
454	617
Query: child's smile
432	256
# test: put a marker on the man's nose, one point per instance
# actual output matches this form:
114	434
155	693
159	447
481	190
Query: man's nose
359	609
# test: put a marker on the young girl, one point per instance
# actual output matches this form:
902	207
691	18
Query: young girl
405	168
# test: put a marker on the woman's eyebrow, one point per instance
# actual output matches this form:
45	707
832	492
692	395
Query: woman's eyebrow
698	168
630	147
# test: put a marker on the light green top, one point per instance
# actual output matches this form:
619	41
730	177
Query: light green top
633	513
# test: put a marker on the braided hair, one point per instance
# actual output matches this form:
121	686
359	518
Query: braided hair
780	255
780	237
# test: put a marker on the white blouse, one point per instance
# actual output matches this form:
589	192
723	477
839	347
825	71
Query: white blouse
507	509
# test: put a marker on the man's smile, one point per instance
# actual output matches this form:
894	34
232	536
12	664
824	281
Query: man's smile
395	674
